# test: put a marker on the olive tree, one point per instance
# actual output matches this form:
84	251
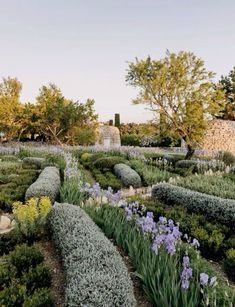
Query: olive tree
180	92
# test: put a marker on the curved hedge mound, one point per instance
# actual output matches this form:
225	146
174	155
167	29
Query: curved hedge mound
219	209
47	184
128	176
108	162
95	273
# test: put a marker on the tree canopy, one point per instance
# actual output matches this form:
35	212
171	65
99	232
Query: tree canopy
228	85
179	91
10	107
52	118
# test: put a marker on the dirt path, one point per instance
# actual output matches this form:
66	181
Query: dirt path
52	261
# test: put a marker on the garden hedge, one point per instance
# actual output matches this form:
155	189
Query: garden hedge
94	271
47	184
128	176
35	160
108	162
201	166
213	207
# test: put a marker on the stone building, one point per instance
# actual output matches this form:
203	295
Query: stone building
220	135
108	136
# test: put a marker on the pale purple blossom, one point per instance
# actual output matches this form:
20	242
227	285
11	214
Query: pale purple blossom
162	220
195	243
112	197
157	242
186	274
204	278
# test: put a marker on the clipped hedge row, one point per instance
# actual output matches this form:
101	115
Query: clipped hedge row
186	163
213	207
35	161
47	184
108	162
201	166
94	270
128	176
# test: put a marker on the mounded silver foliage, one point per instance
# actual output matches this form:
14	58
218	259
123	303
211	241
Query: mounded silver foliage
35	160
220	209
95	273
47	184
128	176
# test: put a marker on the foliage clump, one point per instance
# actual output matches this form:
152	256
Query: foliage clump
24	279
31	217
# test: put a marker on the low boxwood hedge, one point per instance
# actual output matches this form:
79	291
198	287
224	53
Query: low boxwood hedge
35	161
201	166
47	184
108	162
94	270
213	207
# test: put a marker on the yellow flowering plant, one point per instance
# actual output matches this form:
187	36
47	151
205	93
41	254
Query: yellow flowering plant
31	216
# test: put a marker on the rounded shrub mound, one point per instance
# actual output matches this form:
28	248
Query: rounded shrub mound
108	162
47	184
86	156
128	176
94	270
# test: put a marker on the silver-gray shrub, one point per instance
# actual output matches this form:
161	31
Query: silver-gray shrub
95	273
216	208
47	184
128	176
39	162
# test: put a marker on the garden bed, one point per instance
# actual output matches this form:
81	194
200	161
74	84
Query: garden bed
15	178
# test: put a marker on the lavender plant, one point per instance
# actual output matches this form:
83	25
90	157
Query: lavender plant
71	190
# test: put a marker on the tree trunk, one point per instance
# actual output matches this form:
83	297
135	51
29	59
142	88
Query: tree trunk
190	152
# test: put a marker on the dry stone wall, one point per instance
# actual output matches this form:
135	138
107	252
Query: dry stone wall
220	135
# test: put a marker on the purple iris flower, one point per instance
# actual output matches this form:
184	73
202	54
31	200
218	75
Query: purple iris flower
204	278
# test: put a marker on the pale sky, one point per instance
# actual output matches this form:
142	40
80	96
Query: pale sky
84	46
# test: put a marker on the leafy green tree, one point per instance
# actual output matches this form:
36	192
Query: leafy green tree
53	112
179	88
10	106
228	85
28	120
84	124
60	118
141	129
